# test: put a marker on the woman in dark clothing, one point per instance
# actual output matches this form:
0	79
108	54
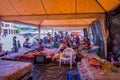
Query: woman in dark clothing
77	41
15	48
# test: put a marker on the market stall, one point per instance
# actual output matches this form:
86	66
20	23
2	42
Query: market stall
92	67
17	55
49	53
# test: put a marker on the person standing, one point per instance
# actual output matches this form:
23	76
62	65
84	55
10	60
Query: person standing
15	48
77	41
48	37
19	44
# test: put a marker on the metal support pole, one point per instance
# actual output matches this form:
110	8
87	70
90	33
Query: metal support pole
52	32
104	33
88	29
39	32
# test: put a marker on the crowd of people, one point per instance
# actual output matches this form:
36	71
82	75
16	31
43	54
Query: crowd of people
61	42
69	40
26	44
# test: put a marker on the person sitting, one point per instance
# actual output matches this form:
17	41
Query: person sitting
83	46
37	42
48	37
56	44
26	44
77	41
87	43
62	46
45	40
94	49
41	47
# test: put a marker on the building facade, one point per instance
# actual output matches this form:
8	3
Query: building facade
7	29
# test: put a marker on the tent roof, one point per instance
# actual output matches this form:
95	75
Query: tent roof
54	12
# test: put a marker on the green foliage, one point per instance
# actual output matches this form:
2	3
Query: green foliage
18	29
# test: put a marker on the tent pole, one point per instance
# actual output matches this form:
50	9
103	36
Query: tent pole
39	30
103	27
52	32
88	29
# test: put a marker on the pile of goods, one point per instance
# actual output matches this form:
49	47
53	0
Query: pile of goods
92	67
102	64
30	56
63	54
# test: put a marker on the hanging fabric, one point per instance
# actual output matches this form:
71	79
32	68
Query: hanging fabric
100	40
97	37
113	28
85	33
93	34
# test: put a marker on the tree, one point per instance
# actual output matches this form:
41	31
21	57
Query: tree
17	29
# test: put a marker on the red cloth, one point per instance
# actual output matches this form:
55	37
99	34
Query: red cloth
49	58
26	57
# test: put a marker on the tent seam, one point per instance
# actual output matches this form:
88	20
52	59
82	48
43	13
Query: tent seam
14	7
100	5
